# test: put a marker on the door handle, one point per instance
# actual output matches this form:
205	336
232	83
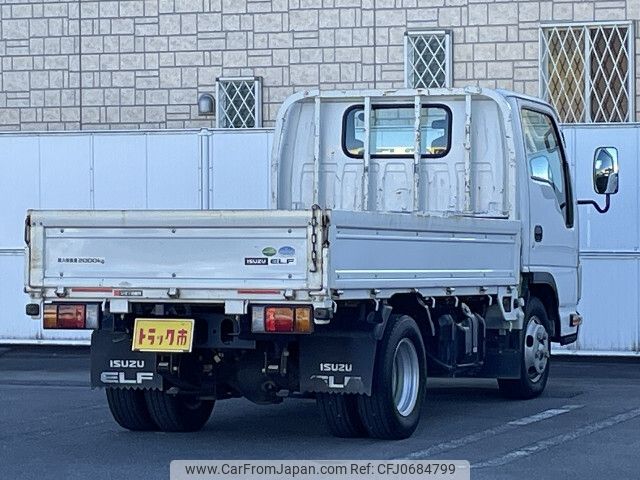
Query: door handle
537	233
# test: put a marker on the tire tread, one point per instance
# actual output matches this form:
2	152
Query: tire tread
170	416
129	409
521	388
340	414
375	410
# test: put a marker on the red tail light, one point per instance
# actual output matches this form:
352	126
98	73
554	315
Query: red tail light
70	316
279	319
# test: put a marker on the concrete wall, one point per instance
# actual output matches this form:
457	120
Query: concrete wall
142	63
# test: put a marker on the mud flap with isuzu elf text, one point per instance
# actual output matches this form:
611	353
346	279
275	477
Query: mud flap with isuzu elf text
335	363
114	364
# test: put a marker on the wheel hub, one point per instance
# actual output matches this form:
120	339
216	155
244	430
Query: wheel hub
405	377
536	349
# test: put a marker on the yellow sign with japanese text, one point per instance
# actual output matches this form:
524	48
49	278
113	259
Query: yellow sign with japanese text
162	335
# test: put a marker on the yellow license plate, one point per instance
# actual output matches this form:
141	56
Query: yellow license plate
160	335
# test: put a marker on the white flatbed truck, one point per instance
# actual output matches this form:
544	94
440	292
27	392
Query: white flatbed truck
413	233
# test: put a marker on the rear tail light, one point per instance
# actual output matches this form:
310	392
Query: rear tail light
303	320
278	319
70	316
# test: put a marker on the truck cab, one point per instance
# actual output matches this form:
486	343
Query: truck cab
412	233
550	225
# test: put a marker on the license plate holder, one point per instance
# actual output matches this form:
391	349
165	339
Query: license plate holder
163	335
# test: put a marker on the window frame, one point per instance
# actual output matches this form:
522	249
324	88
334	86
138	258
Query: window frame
383	106
569	213
448	52
257	94
631	66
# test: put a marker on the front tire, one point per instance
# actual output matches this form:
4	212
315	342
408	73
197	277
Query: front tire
173	413
129	409
393	410
535	355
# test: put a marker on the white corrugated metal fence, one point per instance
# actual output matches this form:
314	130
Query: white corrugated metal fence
230	169
187	169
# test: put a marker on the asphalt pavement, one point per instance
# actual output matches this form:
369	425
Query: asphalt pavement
585	426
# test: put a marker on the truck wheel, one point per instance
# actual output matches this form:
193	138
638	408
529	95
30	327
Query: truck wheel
399	381
173	413
129	409
340	414
536	349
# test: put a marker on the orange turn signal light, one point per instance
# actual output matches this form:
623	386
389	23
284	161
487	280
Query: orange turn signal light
304	323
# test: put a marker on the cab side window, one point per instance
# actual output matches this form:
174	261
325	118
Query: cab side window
546	158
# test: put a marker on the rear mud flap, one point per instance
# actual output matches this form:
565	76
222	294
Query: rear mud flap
338	363
114	365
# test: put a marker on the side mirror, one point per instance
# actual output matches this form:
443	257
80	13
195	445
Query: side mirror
605	177
540	169
605	171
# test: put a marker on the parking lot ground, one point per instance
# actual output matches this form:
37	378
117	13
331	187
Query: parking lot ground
585	426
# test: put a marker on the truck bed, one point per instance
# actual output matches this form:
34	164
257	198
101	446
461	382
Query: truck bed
391	252
204	256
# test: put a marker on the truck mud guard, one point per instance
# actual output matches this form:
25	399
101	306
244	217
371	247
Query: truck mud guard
337	362
114	365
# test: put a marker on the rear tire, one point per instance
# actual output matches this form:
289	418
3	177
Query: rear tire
399	382
535	355
173	413
340	414
129	409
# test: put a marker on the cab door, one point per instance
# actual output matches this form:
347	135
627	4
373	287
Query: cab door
552	238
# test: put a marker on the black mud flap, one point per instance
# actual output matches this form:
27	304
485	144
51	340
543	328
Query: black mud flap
337	363
114	365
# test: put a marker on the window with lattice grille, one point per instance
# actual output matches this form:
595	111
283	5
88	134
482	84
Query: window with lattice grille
239	102
586	73
428	59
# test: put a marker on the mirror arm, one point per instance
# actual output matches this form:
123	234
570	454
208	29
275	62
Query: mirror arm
605	209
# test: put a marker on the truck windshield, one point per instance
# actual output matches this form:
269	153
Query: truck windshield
392	131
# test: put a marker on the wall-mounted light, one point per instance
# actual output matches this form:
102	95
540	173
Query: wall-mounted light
206	104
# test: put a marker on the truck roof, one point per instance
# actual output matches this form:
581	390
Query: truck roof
531	98
496	94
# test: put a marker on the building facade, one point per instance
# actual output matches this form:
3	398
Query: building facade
130	64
